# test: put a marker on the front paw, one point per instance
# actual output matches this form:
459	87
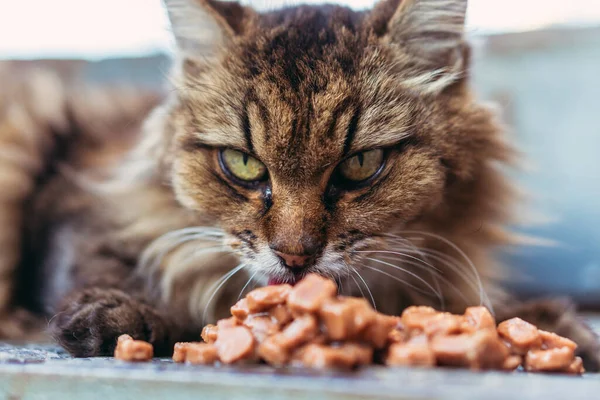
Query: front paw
91	320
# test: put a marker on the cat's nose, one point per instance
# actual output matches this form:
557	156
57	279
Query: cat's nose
292	260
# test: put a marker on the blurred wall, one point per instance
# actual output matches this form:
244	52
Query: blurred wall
548	84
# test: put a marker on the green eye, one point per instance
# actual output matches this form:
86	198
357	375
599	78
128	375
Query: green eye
242	166
362	166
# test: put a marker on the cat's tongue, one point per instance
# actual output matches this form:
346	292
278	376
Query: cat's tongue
278	281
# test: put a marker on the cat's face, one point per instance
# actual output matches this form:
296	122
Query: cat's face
309	134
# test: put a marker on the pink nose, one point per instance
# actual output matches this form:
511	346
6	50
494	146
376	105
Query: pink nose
292	261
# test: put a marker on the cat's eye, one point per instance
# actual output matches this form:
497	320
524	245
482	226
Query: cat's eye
242	166
361	166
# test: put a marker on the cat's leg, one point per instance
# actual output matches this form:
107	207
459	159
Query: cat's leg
89	321
559	315
114	299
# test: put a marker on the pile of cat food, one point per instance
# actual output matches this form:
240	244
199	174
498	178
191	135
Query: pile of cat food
308	325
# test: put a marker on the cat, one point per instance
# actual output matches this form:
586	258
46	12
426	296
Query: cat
304	139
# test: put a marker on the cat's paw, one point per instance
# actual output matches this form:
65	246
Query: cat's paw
559	315
91	320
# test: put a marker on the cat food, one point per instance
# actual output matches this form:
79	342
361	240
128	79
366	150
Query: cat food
309	325
345	355
415	352
267	297
195	353
234	343
519	335
209	333
310	293
133	350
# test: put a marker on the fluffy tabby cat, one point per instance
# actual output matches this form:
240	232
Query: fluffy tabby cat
308	139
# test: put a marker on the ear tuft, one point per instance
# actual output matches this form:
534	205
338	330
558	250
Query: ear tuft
431	34
429	29
202	26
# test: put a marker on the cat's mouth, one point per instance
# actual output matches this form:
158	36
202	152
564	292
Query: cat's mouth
277	280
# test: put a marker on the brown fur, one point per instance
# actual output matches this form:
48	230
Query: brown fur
300	89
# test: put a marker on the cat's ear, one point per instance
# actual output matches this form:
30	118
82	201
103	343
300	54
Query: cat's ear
432	33
201	27
432	29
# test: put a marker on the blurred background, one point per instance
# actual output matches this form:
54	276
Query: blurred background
539	60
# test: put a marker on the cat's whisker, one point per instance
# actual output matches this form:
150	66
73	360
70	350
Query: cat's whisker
251	279
483	298
151	258
404	270
182	263
436	282
402	281
180	233
457	249
427	253
447	261
366	286
219	284
400	257
455	266
362	293
402	254
435	276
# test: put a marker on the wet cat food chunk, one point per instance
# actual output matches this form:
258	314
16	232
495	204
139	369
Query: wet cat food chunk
180	351
195	353
227	323
576	367
266	297
480	350
240	309
476	318
416	317
261	326
133	350
301	330
397	336
209	333
363	317
556	359
271	351
415	352
124	338
512	362
337	318
379	331
201	353
442	324
281	314
310	293
520	335
551	340
234	343
347	355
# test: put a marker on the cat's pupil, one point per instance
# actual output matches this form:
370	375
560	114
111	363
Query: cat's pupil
245	159
361	158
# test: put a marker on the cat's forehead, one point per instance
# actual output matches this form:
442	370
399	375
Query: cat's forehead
304	132
300	97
